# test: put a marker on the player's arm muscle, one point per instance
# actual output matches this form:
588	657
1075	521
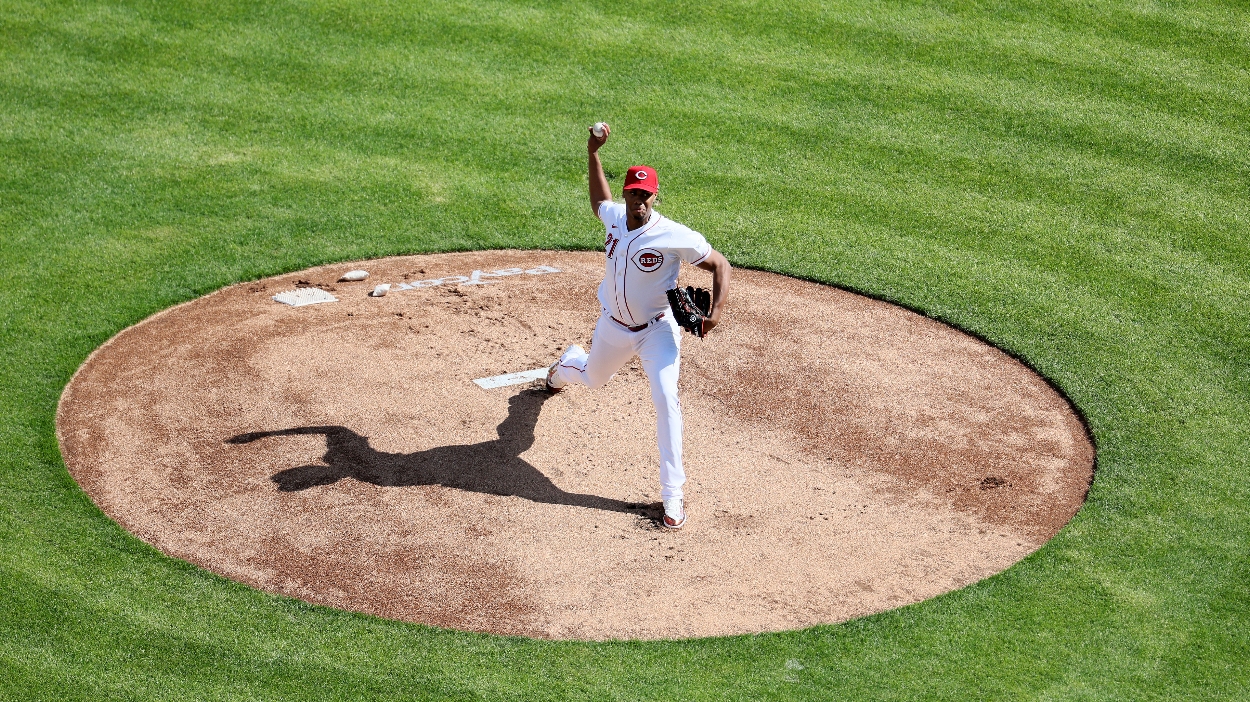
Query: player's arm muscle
719	266
599	192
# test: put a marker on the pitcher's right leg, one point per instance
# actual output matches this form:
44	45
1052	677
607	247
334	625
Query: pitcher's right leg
610	348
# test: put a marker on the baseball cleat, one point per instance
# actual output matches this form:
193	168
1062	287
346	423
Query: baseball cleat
674	513
554	384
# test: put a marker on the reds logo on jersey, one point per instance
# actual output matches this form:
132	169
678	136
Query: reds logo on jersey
648	260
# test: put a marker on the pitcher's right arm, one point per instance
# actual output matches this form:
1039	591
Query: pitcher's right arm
599	192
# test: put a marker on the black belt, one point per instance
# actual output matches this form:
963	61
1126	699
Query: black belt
640	327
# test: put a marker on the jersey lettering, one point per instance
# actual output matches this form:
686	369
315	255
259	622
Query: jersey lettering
648	260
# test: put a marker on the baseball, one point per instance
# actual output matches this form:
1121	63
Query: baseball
600	129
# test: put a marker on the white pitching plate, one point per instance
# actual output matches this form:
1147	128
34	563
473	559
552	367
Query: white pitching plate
499	381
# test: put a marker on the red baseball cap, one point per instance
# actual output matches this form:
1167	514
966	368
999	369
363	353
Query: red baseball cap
641	178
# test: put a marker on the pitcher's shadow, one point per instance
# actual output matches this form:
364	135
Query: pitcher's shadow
491	467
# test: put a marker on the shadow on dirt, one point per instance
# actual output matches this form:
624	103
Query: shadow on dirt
491	467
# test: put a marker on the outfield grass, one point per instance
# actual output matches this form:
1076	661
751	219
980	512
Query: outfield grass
1069	180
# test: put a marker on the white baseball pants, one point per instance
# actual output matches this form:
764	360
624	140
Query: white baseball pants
659	348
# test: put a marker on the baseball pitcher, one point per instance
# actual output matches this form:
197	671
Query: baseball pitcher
642	309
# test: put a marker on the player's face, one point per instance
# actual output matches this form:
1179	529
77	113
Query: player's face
638	203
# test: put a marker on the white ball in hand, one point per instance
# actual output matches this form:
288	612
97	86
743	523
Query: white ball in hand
600	129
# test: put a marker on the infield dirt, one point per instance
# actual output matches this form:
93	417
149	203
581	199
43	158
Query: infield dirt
845	456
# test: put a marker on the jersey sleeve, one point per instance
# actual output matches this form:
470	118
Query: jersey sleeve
610	212
690	245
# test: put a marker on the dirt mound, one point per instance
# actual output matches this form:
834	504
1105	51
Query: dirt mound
855	459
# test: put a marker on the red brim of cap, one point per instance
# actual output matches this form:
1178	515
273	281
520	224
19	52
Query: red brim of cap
649	187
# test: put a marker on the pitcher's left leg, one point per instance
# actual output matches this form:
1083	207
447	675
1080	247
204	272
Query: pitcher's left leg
659	349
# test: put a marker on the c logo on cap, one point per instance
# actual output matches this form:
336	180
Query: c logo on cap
641	175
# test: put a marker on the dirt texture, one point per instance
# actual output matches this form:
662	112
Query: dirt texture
845	456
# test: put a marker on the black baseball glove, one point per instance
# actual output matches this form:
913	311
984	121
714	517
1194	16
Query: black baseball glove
691	307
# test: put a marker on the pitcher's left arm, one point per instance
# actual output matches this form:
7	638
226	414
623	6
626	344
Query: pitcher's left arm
719	266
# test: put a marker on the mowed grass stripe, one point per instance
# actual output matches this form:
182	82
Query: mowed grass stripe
1064	179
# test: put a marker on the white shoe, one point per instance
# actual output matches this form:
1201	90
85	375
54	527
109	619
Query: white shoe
674	513
554	384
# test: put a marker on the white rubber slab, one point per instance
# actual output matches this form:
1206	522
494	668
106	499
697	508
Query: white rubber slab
500	381
304	296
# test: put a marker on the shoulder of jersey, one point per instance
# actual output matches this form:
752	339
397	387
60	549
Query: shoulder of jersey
676	228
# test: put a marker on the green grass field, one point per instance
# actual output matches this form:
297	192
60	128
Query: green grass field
1067	179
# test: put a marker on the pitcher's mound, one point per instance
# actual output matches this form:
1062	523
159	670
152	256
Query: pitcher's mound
844	456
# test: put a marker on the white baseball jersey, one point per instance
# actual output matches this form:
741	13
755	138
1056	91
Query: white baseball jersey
643	264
